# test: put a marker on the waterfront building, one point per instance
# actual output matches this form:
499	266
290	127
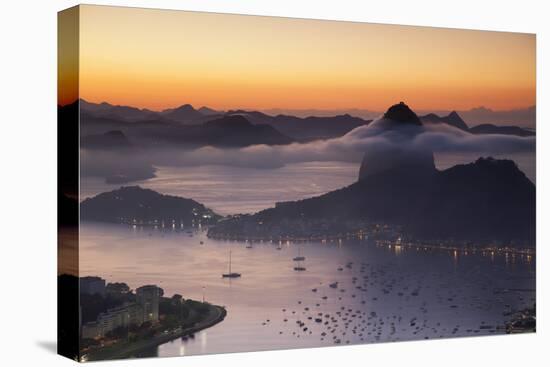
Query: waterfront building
146	309
135	314
124	316
148	298
113	319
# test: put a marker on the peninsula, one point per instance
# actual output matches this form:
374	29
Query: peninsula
118	322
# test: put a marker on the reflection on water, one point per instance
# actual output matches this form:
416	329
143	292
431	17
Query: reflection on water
231	190
382	293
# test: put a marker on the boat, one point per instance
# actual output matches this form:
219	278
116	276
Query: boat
230	274
299	257
299	266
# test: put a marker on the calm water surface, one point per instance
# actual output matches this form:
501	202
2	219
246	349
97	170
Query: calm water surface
384	294
232	190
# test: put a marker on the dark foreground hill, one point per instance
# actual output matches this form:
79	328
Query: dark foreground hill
134	205
485	201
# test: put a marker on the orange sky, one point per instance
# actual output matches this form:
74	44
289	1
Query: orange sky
159	59
67	53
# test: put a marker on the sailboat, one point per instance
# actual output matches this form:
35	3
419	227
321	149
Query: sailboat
230	274
299	266
299	257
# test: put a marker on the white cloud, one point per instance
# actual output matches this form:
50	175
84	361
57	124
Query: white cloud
350	147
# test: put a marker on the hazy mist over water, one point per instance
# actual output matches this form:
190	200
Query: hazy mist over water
232	190
404	293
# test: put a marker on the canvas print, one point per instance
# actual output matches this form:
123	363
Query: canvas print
233	183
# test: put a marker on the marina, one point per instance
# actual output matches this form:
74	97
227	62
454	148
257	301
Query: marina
352	292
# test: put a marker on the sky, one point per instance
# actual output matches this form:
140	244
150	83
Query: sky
158	59
67	54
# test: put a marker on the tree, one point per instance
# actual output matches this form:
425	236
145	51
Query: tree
176	299
117	288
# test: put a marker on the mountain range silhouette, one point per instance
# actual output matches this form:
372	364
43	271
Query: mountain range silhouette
172	125
487	200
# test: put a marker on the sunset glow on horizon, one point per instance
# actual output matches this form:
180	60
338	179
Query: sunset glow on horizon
159	59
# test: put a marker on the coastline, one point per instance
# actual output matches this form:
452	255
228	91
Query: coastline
414	245
126	350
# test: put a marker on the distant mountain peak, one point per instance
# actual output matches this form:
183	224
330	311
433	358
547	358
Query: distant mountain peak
207	111
402	113
185	107
233	121
481	109
455	120
452	119
185	113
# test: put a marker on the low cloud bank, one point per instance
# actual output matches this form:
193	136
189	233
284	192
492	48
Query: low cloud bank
352	146
116	167
349	148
